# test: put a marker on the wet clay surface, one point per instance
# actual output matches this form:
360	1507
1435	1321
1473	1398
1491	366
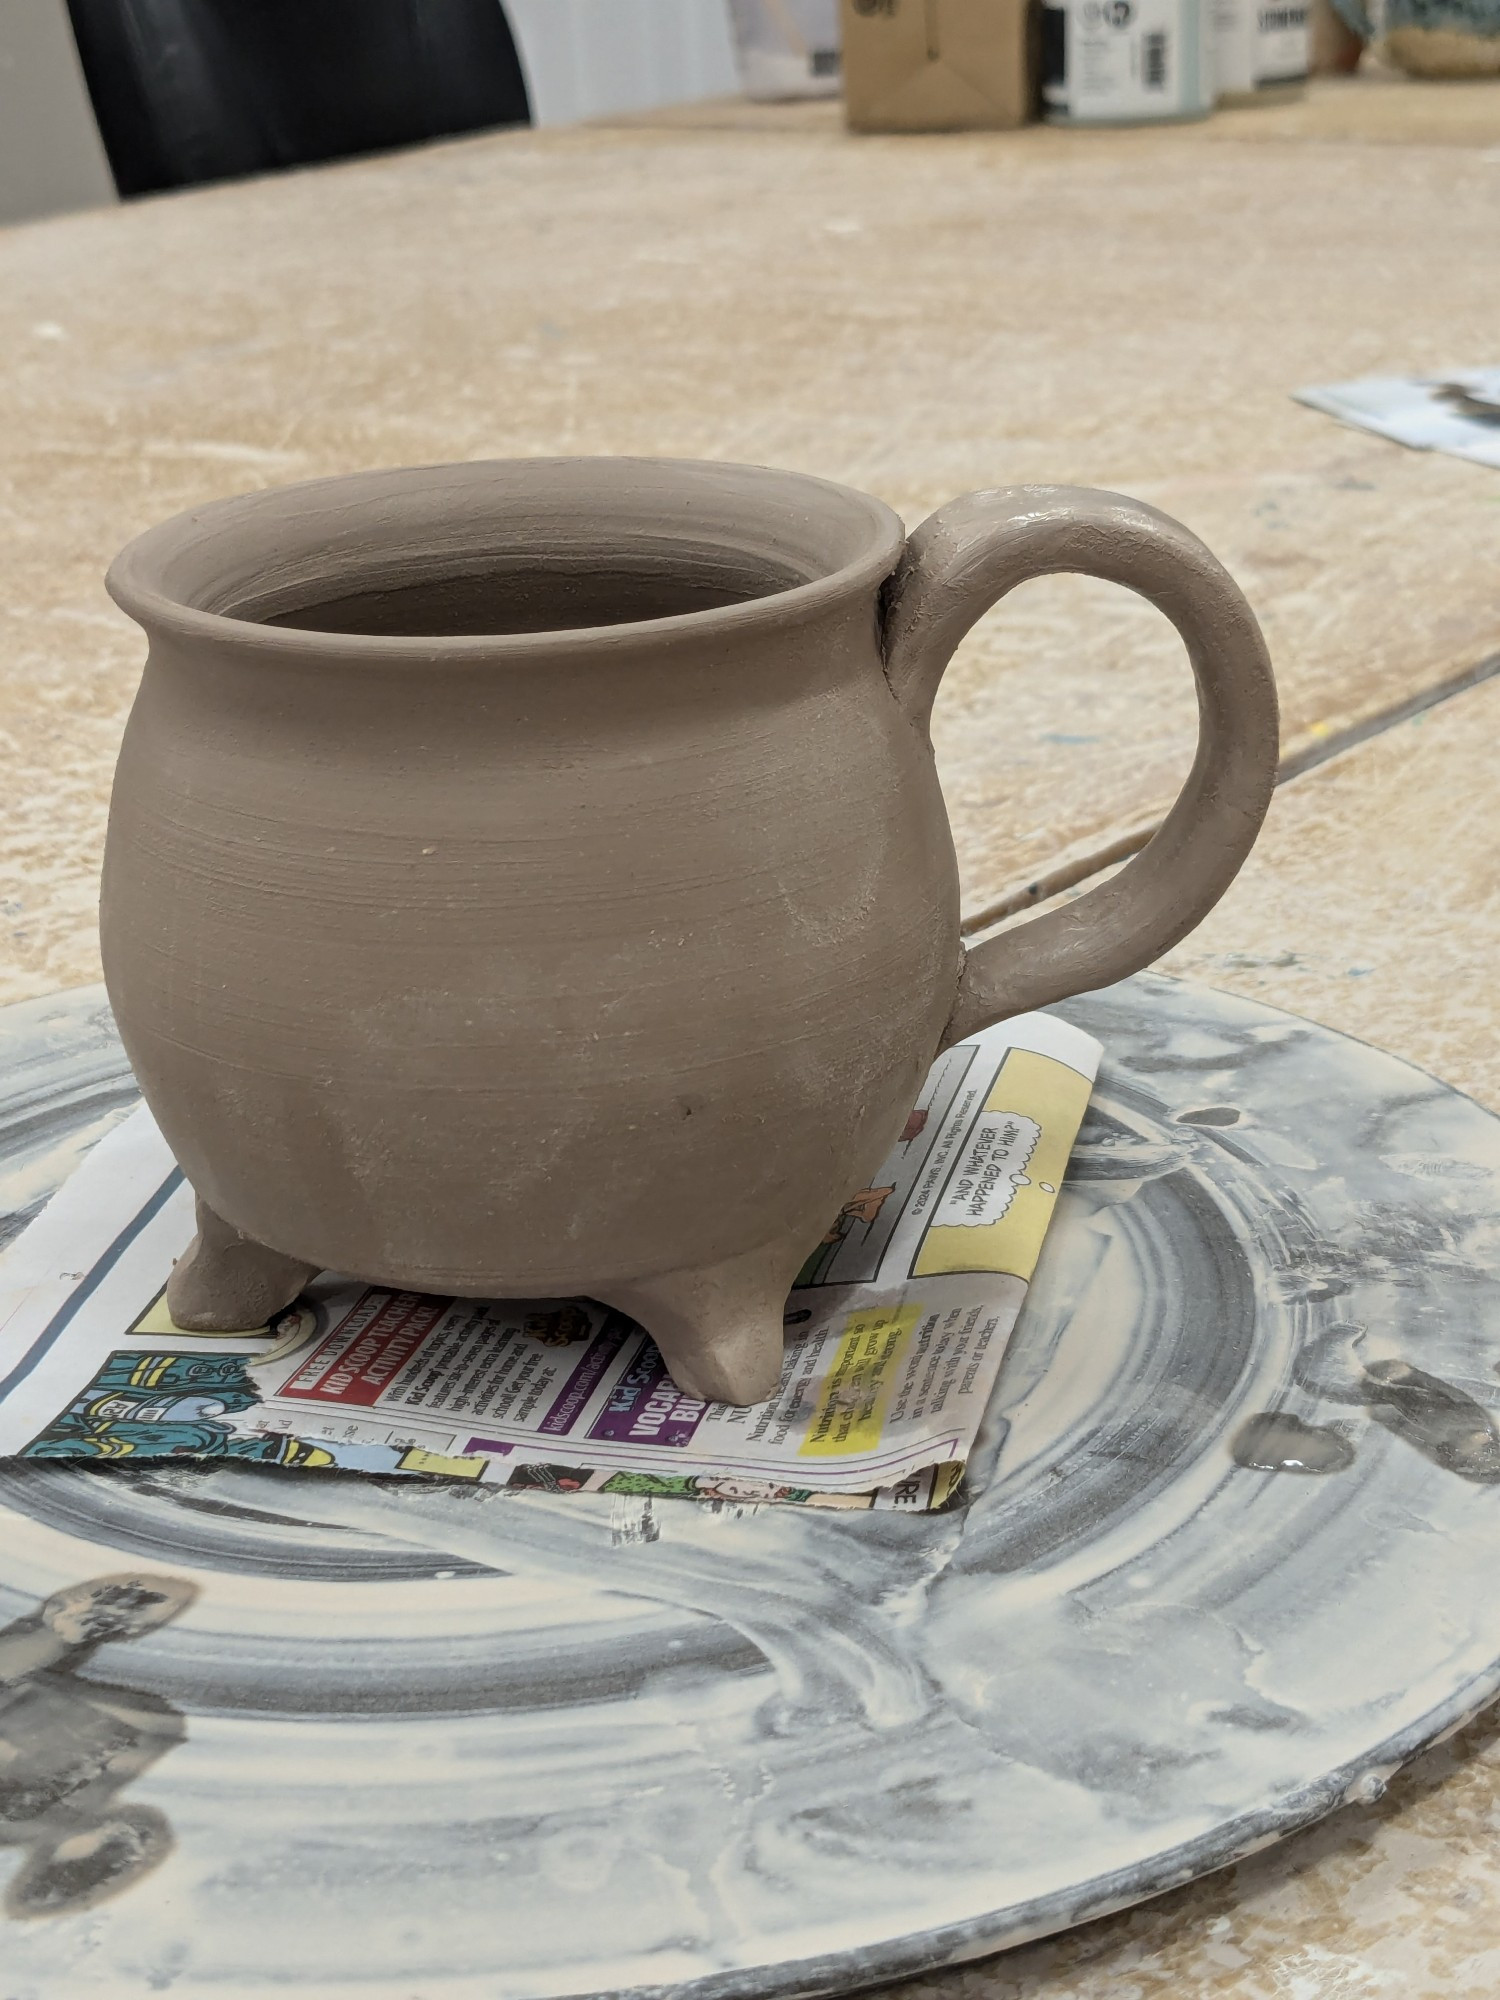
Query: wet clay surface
721	1750
1364	907
70	1742
1274	1441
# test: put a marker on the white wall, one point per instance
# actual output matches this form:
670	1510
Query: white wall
51	156
587	58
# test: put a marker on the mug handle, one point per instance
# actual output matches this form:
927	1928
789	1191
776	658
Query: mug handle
964	559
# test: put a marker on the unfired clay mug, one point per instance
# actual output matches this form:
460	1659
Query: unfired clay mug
532	878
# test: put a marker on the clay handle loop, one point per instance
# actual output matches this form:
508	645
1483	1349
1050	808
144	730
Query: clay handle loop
963	560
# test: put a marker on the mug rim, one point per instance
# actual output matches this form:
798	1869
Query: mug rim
139	578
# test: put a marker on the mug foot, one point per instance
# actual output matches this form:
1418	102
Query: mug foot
720	1329
225	1283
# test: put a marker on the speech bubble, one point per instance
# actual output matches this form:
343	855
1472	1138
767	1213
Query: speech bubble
992	1166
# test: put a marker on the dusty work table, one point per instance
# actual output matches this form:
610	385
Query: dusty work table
917	317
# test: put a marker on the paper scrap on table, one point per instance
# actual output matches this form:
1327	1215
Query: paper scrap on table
1457	413
895	1330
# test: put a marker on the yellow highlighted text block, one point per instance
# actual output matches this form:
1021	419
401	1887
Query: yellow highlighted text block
851	1404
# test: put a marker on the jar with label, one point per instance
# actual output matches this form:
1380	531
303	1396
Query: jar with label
1261	49
1126	62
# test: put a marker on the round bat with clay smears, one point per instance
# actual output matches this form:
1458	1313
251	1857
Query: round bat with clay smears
532	878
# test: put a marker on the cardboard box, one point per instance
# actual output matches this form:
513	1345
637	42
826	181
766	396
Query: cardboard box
940	65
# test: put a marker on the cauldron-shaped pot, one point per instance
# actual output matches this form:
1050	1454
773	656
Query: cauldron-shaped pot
531	878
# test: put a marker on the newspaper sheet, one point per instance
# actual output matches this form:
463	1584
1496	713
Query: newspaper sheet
895	1330
1458	413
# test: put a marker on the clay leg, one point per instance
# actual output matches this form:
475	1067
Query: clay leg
719	1330
224	1283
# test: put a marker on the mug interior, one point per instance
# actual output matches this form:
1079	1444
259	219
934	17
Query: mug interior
615	583
508	548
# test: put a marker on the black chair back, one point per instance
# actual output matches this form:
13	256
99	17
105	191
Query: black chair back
202	90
